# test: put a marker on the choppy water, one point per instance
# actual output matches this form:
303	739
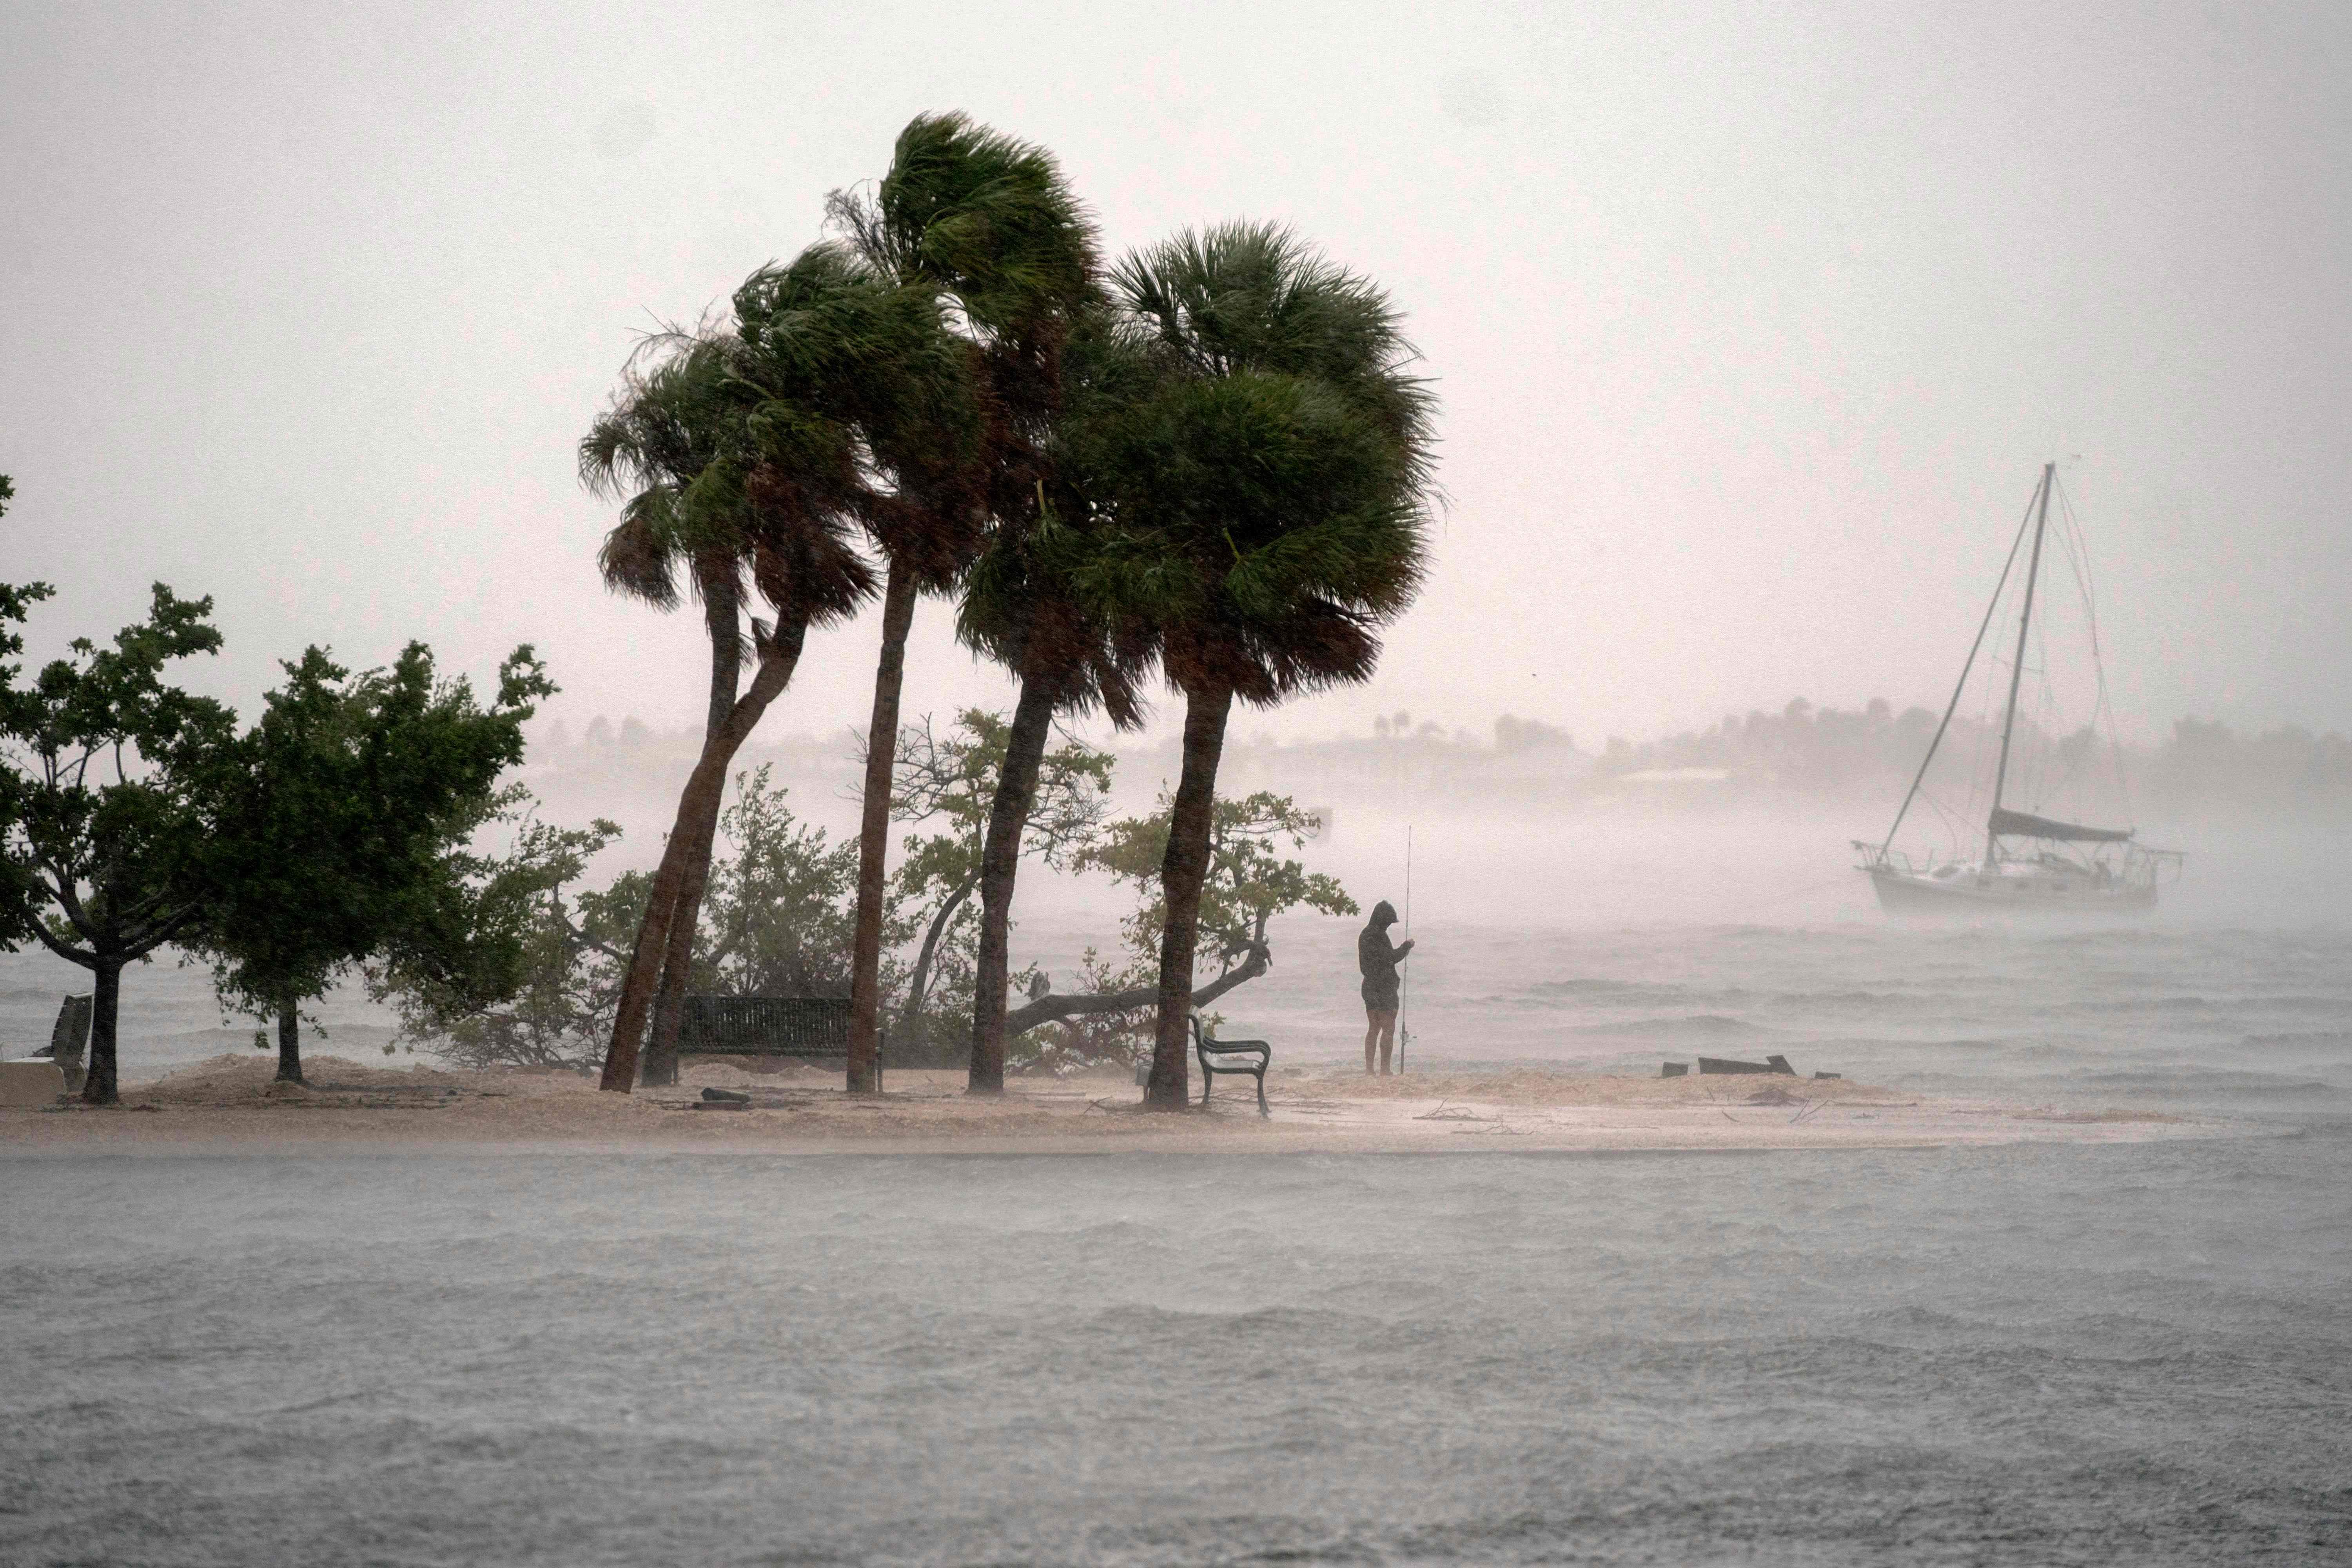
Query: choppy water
2031	1356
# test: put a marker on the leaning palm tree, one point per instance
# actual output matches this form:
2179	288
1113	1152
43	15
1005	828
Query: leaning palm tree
655	438
783	487
1270	499
988	227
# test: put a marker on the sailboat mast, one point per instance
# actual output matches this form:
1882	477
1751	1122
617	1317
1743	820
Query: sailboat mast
2017	668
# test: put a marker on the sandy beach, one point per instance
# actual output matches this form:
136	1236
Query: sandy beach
234	1100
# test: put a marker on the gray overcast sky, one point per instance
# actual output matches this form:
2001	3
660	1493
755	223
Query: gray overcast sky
1752	324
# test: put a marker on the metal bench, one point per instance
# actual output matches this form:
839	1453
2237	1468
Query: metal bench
1211	1050
803	1026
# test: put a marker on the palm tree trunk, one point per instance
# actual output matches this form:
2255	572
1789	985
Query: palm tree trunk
290	1040
105	1002
677	960
698	820
1182	872
873	833
1000	859
723	618
722	590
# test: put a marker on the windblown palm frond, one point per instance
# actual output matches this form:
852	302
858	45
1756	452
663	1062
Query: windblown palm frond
1271	493
639	556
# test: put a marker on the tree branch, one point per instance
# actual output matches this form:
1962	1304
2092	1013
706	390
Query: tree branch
72	955
162	931
1051	1009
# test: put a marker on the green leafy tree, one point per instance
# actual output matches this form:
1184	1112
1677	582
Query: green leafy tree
341	835
1270	497
544	995
782	915
1248	882
949	783
107	777
777	921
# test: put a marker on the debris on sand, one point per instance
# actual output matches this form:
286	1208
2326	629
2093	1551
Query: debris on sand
1769	1064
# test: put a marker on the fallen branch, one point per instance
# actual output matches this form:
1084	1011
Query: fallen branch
1054	1009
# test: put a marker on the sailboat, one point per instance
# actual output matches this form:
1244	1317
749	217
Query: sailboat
2029	861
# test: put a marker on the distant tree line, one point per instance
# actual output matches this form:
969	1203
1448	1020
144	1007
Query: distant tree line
1824	752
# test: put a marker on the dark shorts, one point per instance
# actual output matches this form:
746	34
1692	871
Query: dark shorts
1379	996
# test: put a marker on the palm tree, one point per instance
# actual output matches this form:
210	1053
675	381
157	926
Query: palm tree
987	226
1270	500
779	481
654	441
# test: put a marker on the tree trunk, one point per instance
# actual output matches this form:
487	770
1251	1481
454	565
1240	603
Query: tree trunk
677	960
1181	873
722	590
873	833
105	1000
289	1041
1054	1009
919	985
697	816
999	860
723	617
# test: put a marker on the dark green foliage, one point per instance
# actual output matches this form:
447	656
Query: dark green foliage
546	965
343	834
777	921
108	778
1270	489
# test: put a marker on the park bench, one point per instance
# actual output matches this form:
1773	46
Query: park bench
1212	1053
801	1026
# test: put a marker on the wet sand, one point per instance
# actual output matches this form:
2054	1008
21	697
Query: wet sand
233	1099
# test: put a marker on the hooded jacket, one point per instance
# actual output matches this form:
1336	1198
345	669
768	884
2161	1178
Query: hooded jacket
1378	959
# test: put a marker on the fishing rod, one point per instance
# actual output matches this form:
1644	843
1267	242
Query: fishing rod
1404	988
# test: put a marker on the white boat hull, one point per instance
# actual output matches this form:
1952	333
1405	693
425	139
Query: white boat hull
1972	892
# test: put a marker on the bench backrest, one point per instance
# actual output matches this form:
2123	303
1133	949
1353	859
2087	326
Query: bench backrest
756	1026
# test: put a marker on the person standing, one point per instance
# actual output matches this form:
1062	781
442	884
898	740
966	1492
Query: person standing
1379	962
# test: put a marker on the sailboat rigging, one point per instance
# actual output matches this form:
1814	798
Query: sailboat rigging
2029	861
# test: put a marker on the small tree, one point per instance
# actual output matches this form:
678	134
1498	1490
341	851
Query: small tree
542	992
781	916
952	781
342	832
1248	883
107	780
